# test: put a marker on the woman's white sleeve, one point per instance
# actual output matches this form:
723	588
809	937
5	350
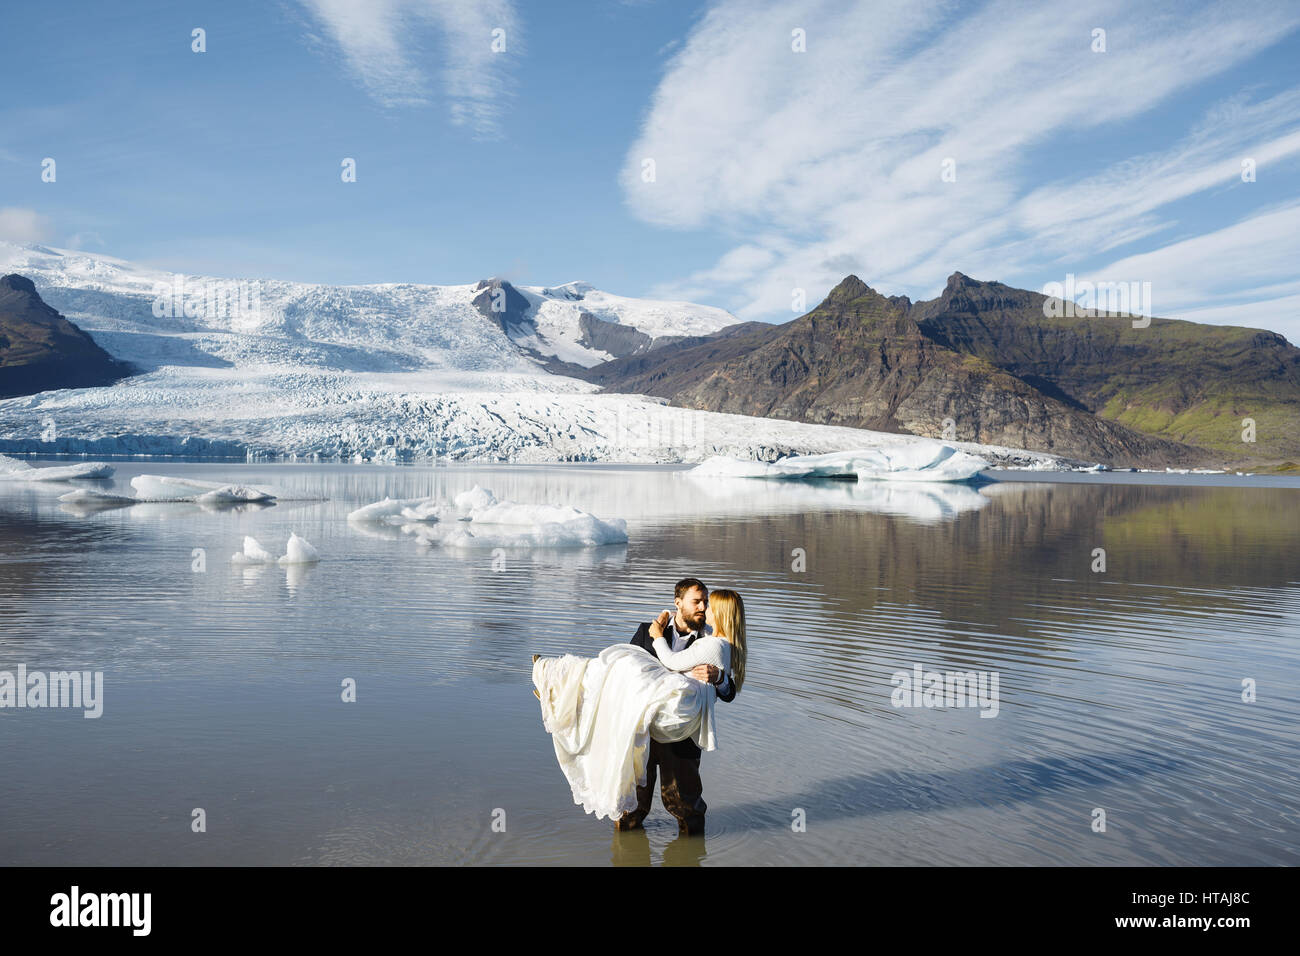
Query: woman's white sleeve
697	653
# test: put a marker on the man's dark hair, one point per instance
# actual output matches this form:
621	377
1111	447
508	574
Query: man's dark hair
685	584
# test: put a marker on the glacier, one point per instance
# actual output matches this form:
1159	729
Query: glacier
390	372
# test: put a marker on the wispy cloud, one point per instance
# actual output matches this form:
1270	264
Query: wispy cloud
387	45
24	225
1243	274
830	161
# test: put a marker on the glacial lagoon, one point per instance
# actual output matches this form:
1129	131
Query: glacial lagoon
1161	691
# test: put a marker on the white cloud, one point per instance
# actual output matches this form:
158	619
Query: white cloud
23	225
1250	265
834	156
385	44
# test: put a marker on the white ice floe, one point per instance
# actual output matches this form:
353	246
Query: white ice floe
89	496
586	531
911	461
253	553
165	488
233	494
383	510
476	519
11	469
299	551
402	510
475	499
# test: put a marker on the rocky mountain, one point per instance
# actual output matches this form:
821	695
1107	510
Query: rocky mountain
40	350
983	363
1173	379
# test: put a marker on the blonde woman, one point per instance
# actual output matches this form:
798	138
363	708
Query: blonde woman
722	645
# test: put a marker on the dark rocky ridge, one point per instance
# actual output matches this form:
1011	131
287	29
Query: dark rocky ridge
982	355
611	337
1179	380
40	350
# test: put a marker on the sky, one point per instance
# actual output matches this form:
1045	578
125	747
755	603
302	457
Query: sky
738	153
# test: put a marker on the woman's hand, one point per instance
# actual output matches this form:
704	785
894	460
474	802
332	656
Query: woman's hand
658	624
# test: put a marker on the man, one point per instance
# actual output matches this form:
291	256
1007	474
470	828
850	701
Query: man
678	764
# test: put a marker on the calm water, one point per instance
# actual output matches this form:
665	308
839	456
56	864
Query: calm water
1119	691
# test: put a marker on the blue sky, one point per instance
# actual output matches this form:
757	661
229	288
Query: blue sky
775	169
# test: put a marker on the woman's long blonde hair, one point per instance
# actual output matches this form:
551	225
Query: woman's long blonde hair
729	622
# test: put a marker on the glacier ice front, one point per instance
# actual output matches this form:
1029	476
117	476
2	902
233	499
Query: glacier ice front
476	519
905	461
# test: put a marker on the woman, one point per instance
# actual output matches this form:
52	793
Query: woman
602	711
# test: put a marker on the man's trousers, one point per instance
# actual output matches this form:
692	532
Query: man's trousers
680	790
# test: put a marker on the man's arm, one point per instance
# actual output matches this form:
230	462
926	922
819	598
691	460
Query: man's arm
726	689
642	638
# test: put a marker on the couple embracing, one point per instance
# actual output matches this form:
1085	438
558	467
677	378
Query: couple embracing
645	708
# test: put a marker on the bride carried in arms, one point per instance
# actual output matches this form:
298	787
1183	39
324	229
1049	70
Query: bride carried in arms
602	712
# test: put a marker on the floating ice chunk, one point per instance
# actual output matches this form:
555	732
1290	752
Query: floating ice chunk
299	551
485	522
13	470
381	510
253	553
906	461
89	496
428	510
721	467
164	488
510	512
474	500
587	531
403	510
229	494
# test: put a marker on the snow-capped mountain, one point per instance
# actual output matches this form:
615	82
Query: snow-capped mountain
577	324
155	318
391	371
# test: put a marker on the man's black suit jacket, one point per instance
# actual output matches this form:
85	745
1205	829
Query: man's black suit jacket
682	748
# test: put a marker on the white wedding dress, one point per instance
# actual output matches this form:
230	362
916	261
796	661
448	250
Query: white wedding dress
602	712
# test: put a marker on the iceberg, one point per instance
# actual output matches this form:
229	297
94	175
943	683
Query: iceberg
910	461
586	531
164	488
233	494
89	496
253	553
299	551
403	510
11	469
481	521
474	499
